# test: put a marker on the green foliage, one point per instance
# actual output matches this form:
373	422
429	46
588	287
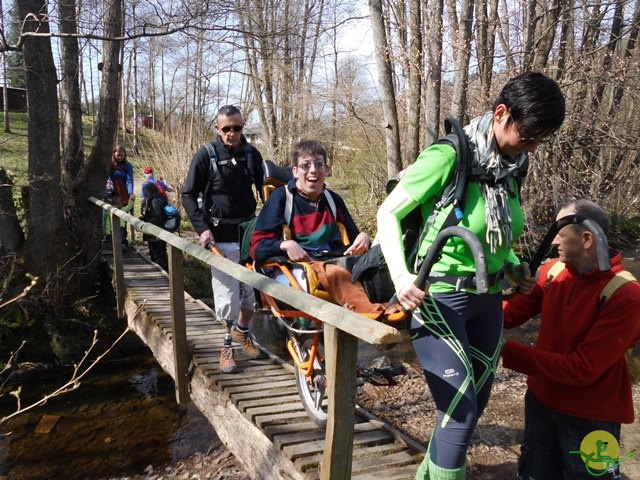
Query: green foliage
625	232
197	278
13	147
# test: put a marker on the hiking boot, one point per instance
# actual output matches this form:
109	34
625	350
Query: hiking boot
246	341
227	362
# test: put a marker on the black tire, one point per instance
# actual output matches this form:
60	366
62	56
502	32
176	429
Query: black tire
313	394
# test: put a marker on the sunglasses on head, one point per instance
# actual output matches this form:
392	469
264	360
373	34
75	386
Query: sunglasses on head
306	166
228	128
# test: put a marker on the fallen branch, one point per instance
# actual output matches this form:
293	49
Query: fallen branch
74	382
34	281
11	365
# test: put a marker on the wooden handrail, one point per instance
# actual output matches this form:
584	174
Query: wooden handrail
361	327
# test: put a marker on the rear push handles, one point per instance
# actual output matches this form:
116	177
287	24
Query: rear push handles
433	254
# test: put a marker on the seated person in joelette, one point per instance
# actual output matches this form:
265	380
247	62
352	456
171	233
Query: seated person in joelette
314	230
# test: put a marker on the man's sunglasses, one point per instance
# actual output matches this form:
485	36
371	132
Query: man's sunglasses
228	128
306	166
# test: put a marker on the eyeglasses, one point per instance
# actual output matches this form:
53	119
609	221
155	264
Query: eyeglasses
235	128
528	140
306	166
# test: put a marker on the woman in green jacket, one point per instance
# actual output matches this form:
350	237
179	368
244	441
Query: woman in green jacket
455	331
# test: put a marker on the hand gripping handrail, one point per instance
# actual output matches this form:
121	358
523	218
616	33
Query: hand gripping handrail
602	245
477	250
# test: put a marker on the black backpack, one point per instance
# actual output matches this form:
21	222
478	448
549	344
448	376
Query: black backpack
246	161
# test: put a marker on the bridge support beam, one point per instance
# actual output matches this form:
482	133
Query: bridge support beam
178	325
341	351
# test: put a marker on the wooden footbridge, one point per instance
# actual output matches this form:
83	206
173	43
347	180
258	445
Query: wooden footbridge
257	412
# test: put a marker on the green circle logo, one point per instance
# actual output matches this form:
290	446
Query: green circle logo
599	445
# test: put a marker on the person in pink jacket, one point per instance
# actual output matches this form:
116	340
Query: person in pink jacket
577	377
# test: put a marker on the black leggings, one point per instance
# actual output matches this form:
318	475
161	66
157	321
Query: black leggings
158	253
457	338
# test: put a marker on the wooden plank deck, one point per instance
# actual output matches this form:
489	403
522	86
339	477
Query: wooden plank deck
257	412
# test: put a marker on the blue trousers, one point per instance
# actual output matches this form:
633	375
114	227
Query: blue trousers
457	339
549	437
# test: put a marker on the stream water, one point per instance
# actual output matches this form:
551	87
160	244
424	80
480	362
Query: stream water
123	417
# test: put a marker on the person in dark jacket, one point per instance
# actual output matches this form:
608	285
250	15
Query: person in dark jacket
218	196
154	214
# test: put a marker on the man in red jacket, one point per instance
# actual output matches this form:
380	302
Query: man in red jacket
578	381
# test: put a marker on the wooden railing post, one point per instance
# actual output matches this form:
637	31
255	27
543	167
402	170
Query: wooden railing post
116	242
341	354
178	325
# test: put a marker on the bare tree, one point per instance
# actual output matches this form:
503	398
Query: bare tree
462	33
415	81
434	75
486	21
46	242
72	141
5	82
385	79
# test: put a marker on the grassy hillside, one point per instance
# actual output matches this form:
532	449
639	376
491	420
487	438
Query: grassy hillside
13	148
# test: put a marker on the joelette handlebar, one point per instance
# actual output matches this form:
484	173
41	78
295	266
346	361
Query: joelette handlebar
472	241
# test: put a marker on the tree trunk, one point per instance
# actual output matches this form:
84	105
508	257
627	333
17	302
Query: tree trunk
546	34
46	248
11	235
385	78
434	76
92	177
487	19
73	147
5	82
628	51
462	58
415	81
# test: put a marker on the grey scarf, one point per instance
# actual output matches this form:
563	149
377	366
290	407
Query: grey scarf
496	196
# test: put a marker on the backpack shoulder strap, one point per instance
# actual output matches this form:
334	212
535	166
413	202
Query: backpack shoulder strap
332	203
618	280
632	355
614	284
288	205
213	155
248	156
457	137
521	173
554	271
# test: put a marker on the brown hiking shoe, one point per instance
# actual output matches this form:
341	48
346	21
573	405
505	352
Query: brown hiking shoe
246	341
227	362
